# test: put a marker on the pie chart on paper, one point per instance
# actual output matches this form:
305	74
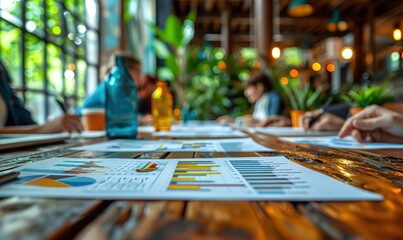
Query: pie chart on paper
56	181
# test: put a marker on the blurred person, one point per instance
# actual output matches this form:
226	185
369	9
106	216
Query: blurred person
259	92
14	118
374	124
98	99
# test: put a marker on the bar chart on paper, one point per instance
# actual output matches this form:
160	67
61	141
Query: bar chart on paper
204	176
268	178
254	178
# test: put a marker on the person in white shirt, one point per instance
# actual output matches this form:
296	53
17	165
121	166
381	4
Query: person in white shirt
267	101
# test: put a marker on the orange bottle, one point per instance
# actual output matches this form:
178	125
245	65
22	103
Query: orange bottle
161	107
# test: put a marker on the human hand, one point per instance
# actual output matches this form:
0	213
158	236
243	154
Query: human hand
324	122
225	119
374	124
248	121
275	121
69	123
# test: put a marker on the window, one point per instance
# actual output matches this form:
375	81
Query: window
51	49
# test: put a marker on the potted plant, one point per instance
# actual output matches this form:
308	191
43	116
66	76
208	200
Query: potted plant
171	46
302	99
361	97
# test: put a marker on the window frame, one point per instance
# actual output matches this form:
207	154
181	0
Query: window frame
47	38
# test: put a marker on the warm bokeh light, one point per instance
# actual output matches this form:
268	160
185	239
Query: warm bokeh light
342	26
71	66
300	8
256	64
316	66
222	65
276	53
332	27
330	67
402	55
347	53
177	114
397	34
284	80
294	73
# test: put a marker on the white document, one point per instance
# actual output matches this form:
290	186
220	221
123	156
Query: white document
89	134
216	145
264	178
201	133
293	132
346	143
195	131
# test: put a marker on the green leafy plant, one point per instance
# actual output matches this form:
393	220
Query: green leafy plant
301	98
176	35
368	95
215	81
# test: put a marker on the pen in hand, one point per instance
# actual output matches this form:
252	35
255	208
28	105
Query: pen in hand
320	113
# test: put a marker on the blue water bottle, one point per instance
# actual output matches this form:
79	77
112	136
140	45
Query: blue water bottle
121	102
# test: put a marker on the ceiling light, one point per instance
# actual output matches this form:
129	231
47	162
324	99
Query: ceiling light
300	8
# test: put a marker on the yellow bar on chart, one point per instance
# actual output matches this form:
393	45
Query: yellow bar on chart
184	187
193	168
183	179
197	165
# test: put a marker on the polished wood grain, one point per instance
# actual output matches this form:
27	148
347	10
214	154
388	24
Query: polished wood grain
379	171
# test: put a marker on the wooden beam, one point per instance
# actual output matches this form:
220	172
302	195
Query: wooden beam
359	52
212	37
226	33
246	5
264	28
371	46
208	6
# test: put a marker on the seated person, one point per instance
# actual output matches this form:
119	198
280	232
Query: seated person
97	99
14	118
266	100
374	124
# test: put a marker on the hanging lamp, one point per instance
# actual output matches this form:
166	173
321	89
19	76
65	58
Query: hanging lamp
300	8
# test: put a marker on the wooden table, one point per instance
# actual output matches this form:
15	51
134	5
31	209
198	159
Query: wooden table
378	171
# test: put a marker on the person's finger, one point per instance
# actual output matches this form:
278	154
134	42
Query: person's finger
305	119
346	129
371	123
357	135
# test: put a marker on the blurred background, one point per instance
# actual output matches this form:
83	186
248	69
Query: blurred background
56	49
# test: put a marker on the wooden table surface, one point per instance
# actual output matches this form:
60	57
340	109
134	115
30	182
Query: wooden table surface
378	171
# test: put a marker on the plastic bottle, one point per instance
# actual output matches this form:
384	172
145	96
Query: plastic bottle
121	102
162	107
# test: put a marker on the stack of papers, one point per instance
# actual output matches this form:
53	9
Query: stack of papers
195	131
293	132
218	145
346	143
264	178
